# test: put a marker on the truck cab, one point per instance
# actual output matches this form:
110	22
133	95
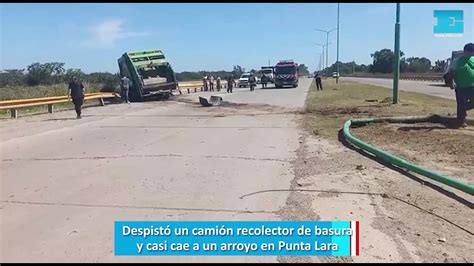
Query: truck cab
286	74
269	73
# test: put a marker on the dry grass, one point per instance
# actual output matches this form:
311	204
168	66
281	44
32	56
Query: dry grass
327	110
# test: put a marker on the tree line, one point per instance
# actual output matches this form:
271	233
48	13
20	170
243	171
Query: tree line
55	73
383	62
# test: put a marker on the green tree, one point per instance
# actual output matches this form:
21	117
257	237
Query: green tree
238	71
303	70
47	73
383	61
418	65
440	65
73	73
12	77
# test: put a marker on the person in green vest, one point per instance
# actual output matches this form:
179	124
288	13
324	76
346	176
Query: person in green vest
462	73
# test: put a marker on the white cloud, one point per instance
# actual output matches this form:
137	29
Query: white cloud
108	32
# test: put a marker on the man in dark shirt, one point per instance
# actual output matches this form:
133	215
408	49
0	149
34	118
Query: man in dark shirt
319	84
230	83
76	92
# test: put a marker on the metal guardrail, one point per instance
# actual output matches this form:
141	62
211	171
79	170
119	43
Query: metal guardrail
197	86
14	105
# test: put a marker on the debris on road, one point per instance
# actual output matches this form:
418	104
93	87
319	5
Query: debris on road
213	101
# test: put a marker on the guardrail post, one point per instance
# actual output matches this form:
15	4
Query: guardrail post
188	90
101	101
50	108
14	113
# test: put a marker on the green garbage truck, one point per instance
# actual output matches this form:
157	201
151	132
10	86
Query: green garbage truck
149	72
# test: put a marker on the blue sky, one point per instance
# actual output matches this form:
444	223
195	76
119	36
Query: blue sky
216	36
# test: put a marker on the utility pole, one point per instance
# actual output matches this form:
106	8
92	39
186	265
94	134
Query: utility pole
396	70
337	57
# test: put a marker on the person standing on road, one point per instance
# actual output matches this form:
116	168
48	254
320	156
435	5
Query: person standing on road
230	83
319	84
76	91
218	84
264	81
204	83
125	86
252	82
462	73
211	83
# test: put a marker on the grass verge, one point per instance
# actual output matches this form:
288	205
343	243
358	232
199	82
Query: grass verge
327	110
436	146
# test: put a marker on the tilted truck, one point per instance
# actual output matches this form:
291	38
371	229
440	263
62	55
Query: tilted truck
149	72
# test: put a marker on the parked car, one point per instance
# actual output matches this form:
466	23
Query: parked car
335	74
244	80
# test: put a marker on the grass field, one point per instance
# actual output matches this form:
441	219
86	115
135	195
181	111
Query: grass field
444	149
327	110
25	92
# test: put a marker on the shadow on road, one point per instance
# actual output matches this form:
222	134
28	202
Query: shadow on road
425	128
438	85
275	88
405	172
60	119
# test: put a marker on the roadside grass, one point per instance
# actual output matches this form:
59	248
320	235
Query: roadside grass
26	92
327	110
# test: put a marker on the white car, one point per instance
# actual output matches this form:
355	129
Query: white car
244	80
335	74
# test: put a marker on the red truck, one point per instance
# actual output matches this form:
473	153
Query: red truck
286	74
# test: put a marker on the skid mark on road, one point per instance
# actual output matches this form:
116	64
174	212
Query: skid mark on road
158	208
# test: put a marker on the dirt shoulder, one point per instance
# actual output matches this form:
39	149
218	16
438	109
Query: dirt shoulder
404	217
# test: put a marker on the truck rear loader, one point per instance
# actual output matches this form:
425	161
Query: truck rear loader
149	72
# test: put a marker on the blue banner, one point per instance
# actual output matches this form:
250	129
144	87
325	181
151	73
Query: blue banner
233	238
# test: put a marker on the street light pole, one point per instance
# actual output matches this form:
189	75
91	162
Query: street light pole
327	43
337	57
396	72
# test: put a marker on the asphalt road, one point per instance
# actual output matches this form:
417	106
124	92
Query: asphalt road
65	181
426	87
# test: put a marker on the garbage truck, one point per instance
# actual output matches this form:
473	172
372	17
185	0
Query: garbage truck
149	72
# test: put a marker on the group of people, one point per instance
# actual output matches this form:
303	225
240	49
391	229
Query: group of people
208	83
